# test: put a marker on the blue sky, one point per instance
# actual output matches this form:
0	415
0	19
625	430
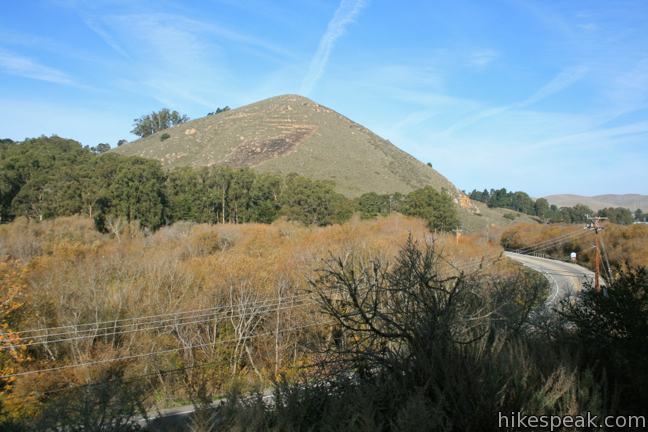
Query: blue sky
534	95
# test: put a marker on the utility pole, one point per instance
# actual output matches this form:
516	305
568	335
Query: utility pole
596	226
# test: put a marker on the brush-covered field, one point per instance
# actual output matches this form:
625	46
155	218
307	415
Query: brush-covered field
251	279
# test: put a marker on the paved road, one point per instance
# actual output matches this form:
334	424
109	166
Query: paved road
174	419
170	419
565	278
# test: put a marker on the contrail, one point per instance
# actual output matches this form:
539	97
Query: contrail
344	15
560	82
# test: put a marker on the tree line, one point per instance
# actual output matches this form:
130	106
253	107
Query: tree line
523	203
47	177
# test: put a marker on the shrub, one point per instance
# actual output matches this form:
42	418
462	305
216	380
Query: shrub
165	136
417	349
611	333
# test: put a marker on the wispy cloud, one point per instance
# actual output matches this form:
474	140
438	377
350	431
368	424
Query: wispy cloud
482	58
96	27
593	137
27	68
557	84
345	14
560	82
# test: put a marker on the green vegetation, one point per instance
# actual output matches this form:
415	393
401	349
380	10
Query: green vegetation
292	134
618	215
149	124
598	202
436	208
100	148
48	177
522	202
219	110
611	334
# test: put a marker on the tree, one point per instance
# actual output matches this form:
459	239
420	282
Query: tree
480	196
313	202
156	121
121	142
40	177
264	196
219	110
371	205
523	203
101	148
134	190
618	215
542	208
187	196
435	207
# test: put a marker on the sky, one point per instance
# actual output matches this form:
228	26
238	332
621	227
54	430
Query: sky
541	96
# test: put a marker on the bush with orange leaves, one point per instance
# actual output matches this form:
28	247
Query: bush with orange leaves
77	276
13	285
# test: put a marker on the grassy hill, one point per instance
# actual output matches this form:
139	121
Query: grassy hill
292	134
597	202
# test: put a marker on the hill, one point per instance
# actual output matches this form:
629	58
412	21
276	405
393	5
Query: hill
291	133
287	134
597	202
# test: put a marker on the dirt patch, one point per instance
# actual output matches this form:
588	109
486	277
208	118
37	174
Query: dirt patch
255	151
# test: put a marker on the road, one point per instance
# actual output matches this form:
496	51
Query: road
174	419
169	419
565	278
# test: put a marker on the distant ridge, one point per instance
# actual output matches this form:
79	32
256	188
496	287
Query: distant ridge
597	202
291	133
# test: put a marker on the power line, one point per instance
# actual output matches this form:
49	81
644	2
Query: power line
548	244
149	354
560	237
222	310
196	320
113	323
165	371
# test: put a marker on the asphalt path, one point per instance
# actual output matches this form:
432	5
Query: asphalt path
565	278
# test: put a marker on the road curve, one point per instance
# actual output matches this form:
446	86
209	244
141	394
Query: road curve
565	278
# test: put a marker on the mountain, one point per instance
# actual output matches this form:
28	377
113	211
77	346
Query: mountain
291	133
597	202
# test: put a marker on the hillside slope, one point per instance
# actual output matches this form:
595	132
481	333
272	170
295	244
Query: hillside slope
287	134
597	202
